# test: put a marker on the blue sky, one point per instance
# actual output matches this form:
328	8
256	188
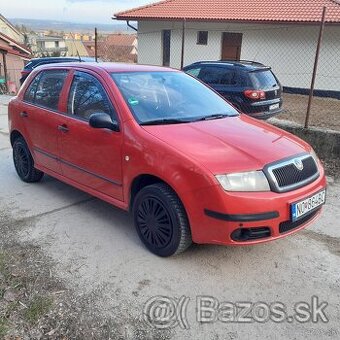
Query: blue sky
88	11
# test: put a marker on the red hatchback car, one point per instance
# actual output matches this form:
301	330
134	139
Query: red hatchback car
163	145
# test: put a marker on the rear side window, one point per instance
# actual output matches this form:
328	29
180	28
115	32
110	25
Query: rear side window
218	75
31	90
262	79
45	89
210	75
194	71
87	96
49	88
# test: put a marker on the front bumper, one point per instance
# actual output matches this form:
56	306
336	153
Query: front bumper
217	216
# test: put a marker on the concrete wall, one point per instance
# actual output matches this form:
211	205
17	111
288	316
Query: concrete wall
326	143
289	49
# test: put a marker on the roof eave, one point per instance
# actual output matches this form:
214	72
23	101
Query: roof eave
306	22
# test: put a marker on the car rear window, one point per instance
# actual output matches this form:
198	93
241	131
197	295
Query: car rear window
262	79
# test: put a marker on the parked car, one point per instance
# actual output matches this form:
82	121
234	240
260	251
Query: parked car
161	144
35	62
250	86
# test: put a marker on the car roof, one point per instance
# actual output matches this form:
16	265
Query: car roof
36	61
246	65
109	67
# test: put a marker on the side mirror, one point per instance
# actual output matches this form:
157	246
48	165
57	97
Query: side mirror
103	121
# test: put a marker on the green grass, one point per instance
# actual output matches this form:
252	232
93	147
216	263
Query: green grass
3	327
38	307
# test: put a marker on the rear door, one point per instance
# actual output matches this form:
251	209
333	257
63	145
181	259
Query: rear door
41	117
89	156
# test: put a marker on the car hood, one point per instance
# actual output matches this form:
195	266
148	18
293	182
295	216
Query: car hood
230	144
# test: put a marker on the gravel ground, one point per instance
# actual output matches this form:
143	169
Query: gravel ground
325	112
72	267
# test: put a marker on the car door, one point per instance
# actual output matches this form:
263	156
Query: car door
41	116
90	156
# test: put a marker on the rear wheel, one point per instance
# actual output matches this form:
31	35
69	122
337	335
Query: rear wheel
24	163
161	220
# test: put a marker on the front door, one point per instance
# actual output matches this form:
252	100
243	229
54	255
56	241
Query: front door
41	117
89	156
231	46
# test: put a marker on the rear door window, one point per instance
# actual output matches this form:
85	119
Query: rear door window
31	90
211	75
216	75
262	79
49	88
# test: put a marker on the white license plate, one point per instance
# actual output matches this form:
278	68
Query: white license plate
302	208
274	107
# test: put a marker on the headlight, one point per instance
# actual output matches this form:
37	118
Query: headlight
314	155
244	181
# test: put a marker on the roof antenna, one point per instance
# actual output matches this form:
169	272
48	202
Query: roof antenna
75	46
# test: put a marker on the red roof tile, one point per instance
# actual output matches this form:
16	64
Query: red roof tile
120	39
293	11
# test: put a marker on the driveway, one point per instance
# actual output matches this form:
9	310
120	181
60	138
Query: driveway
95	253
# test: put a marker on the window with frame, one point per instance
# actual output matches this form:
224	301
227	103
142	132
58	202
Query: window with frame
194	71
32	88
49	87
87	96
211	74
202	38
229	77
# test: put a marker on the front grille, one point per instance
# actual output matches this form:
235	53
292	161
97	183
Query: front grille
289	225
286	176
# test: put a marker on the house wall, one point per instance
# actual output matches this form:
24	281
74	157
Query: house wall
14	66
6	29
289	49
52	44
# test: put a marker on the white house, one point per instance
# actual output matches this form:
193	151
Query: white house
282	34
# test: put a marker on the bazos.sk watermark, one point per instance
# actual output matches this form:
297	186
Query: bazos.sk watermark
163	312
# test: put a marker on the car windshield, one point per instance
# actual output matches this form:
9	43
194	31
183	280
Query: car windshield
169	98
263	79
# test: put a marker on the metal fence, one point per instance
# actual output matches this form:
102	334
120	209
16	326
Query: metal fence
305	58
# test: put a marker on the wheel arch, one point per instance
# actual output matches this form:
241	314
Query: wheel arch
15	134
140	182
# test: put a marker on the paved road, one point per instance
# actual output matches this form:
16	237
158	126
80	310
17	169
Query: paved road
96	249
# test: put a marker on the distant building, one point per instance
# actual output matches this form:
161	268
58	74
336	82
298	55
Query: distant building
9	29
118	47
76	48
13	56
48	46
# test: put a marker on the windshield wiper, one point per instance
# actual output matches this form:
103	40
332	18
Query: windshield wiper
164	121
216	116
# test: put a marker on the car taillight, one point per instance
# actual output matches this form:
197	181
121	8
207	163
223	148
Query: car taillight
255	94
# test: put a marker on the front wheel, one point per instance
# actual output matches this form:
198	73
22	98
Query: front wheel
161	221
24	163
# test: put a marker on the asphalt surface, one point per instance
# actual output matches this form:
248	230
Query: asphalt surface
96	249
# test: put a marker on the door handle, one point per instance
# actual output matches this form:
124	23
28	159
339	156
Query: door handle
23	114
63	128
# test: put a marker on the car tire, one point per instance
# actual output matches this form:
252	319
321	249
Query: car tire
24	163
161	221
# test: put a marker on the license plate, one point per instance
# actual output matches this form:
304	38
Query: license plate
302	208
273	107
